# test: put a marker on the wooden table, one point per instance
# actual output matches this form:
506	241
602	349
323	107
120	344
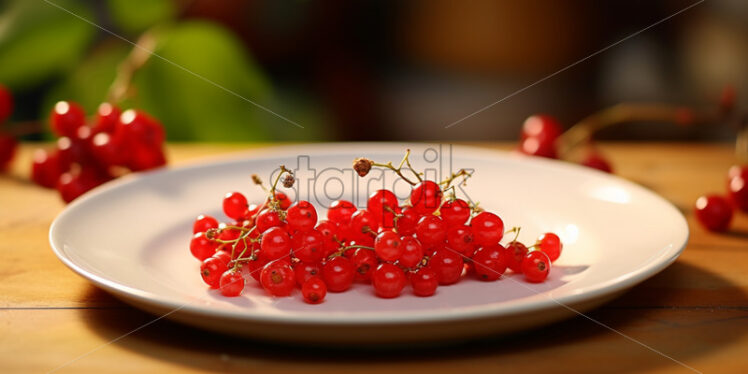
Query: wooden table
696	311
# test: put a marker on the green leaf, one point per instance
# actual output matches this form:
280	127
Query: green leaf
134	16
38	40
195	92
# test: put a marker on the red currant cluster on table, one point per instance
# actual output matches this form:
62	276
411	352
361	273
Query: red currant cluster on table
86	155
715	212
8	143
433	239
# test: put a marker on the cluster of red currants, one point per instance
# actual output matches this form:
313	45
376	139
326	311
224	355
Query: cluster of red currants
8	143
432	240
540	137
715	212
86	155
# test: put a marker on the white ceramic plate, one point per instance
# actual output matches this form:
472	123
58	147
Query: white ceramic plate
130	237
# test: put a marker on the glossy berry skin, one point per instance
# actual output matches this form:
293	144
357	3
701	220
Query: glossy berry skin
304	271
430	231
211	270
460	238
424	282
388	246
488	229
388	280
737	187
382	204
340	211
515	253
426	197
222	256
231	283
8	146
277	278
45	168
535	266
204	223
338	274
539	135
235	205
490	262
363	222
201	247
6	103
137	127
275	243
447	265
455	212
412	252
406	222
714	212
71	185
314	290
551	245
107	150
597	161
329	231
533	147
301	216
107	116
267	219
365	262
255	267
284	202
308	246
66	118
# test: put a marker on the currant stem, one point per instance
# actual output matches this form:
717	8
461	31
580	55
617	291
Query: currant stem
342	250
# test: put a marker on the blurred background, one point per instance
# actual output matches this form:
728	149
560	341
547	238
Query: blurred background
374	70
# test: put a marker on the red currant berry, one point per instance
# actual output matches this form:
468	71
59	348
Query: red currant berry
364	262
275	243
6	103
363	222
714	212
308	246
235	205
448	266
534	147
424	282
412	252
8	145
430	231
107	117
202	247
535	266
406	222
338	274
211	270
66	118
340	211
737	186
107	150
304	271
460	238
72	185
455	212
330	232
301	216
223	256
314	290
541	126
551	245
426	197
45	168
267	219
388	280
283	200
488	229
597	161
137	127
388	247
277	278
255	267
515	253
204	223
383	204
231	283
490	262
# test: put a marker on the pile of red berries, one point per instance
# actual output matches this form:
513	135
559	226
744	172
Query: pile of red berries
86	155
8	143
540	136
715	212
432	239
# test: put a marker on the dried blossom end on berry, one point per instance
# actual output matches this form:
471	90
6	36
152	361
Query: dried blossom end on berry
256	179
362	166
288	181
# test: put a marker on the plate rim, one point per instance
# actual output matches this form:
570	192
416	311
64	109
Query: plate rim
589	293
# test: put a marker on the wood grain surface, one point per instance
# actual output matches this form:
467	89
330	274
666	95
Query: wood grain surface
695	312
